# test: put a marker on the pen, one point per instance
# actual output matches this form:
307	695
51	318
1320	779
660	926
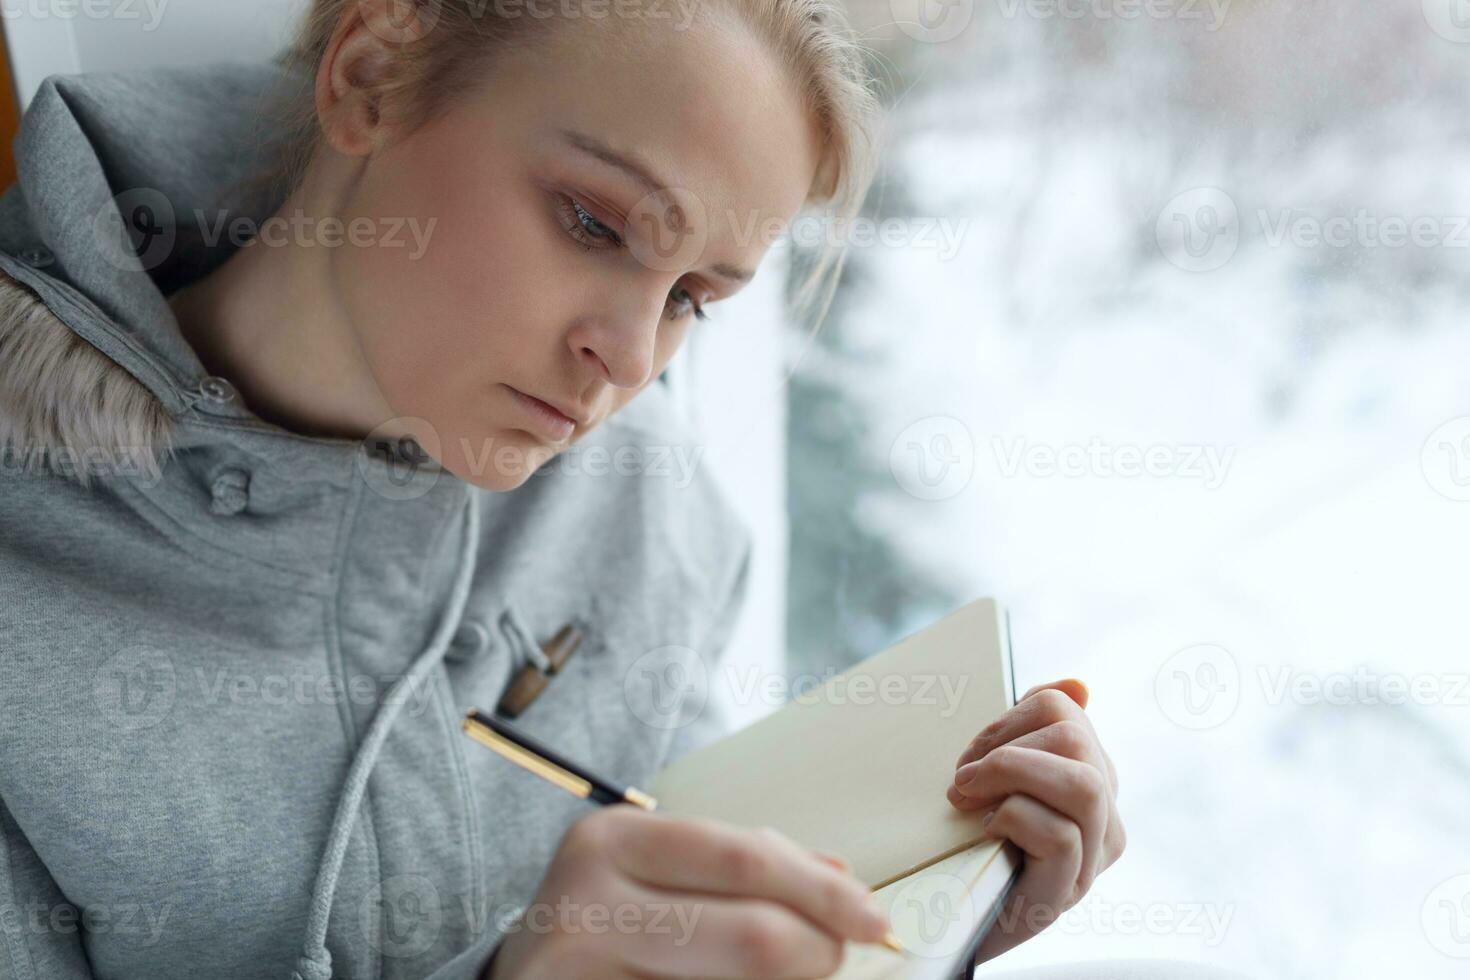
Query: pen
530	754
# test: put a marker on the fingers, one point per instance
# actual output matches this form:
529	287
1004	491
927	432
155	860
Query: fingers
715	936
1043	706
1109	768
1050	840
711	857
1037	710
1077	790
1054	788
1114	840
1048	878
665	897
1069	740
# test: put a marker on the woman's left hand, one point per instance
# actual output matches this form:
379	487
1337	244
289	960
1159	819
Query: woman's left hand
1057	793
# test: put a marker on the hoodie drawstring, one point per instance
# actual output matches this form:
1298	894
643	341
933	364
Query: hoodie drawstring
520	638
315	962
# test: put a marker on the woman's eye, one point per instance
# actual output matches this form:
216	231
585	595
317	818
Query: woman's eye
591	233
583	225
680	302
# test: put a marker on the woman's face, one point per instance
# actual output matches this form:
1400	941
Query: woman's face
598	188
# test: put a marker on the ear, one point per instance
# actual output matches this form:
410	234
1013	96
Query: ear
359	58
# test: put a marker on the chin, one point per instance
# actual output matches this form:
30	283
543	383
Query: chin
500	461
491	479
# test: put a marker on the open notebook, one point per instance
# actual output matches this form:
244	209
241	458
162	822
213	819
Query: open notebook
858	767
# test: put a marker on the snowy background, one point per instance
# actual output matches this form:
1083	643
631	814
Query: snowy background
1272	616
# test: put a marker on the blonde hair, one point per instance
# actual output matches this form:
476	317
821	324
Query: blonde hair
447	41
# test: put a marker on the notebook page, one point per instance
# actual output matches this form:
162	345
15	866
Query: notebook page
935	913
858	766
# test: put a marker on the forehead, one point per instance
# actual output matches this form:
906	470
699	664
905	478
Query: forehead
705	105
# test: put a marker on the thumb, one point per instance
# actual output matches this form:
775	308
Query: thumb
1071	687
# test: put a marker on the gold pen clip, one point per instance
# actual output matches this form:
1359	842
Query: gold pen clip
527	760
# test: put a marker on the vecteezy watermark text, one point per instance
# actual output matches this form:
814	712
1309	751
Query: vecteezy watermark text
1200	229
1214	11
34	10
142	924
1206	463
669	686
1363	685
1201	686
140	226
303	230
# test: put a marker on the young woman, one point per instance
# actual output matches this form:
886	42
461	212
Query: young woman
240	633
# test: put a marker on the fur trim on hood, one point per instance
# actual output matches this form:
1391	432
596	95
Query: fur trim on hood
114	170
63	403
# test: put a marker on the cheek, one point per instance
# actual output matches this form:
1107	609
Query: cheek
441	316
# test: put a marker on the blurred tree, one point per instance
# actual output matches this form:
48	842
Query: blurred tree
851	591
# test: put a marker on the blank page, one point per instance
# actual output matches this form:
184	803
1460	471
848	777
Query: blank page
858	766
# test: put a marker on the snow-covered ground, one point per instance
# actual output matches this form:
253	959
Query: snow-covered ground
1225	480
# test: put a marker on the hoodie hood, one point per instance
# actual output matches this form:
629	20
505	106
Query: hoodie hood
95	235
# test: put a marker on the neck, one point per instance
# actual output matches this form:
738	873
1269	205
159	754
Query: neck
269	320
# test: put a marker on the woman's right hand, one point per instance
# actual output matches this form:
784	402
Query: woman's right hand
631	893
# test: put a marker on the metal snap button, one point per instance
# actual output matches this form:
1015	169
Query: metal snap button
231	492
216	389
37	255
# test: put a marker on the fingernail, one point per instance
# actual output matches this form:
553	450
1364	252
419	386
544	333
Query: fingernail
985	821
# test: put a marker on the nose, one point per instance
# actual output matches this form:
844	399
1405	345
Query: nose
620	341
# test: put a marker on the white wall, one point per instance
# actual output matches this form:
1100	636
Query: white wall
728	375
66	36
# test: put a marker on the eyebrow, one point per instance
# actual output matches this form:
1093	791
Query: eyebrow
595	147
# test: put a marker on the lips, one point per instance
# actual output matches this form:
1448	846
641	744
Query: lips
549	420
567	413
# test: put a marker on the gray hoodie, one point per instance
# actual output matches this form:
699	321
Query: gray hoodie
234	659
